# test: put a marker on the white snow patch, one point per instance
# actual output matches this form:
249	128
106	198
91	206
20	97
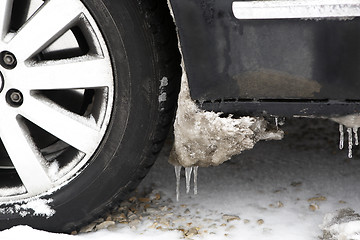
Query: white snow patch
40	207
36	207
162	97
55	172
206	139
26	232
53	169
163	83
342	225
4	192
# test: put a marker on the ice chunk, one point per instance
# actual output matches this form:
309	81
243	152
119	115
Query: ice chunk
206	139
341	130
177	175
188	171
349	121
195	179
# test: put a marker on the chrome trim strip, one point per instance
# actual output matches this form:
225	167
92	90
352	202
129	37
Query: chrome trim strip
307	9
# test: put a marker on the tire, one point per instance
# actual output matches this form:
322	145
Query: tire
88	91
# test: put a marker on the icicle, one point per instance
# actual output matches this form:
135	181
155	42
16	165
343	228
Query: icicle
341	130
177	174
349	130
195	180
201	102
282	121
355	130
188	171
277	123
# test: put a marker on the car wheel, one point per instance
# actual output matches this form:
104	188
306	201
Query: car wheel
87	95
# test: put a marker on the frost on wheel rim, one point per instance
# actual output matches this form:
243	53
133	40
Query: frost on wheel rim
56	94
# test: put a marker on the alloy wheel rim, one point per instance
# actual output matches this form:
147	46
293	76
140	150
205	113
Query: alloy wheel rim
43	63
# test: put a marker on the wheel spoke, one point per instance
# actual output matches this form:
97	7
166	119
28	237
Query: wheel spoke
74	75
75	130
24	155
45	26
5	15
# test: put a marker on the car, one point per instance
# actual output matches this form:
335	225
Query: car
89	88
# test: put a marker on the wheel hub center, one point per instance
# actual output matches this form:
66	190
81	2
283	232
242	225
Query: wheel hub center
1	82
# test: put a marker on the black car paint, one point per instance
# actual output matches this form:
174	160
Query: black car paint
276	67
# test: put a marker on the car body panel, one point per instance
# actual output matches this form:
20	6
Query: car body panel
268	65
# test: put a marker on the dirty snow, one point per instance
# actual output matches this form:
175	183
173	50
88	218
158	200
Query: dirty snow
343	224
350	121
278	190
207	139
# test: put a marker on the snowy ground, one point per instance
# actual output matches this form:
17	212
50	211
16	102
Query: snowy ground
278	190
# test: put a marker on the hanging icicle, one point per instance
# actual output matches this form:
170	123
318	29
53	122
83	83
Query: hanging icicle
195	180
355	130
341	130
277	123
188	171
177	174
349	130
